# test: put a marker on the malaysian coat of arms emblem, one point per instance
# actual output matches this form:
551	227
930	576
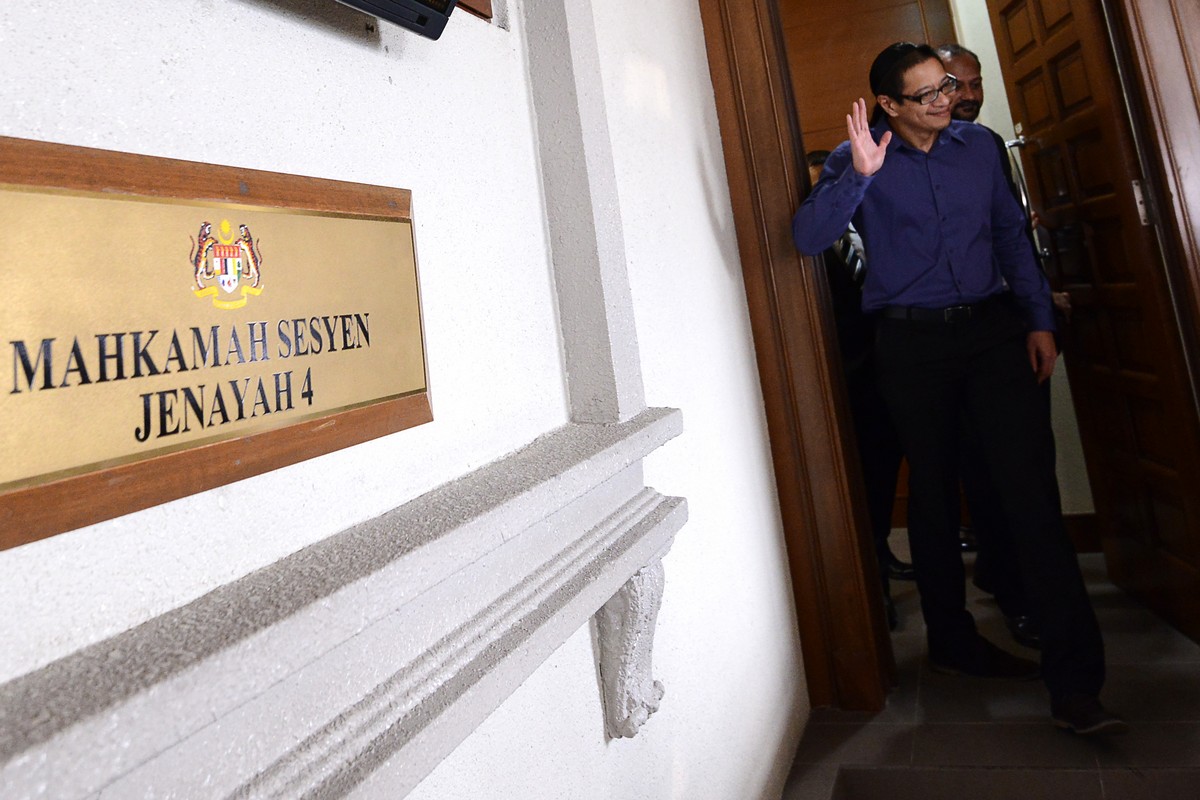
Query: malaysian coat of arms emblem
230	262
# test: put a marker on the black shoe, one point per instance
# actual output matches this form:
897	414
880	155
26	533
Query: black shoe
1024	631
986	660
1083	714
900	570
967	540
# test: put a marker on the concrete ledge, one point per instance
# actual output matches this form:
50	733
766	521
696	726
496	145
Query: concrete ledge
397	636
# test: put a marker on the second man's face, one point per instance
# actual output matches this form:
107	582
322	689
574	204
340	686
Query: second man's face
968	100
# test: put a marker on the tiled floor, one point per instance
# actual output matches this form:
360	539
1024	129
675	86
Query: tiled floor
955	737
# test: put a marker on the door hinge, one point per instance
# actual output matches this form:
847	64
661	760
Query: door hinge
1140	199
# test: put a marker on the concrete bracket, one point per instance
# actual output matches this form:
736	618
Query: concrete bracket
625	630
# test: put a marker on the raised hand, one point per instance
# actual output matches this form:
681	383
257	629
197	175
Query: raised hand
868	156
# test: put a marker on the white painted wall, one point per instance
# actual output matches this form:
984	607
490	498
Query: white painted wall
317	95
974	29
325	97
725	647
727	576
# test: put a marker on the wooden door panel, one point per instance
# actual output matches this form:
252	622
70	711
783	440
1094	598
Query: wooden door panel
1115	272
1090	333
1050	176
1151	431
1057	40
1134	341
1092	165
1069	126
1055	14
827	84
1140	433
1068	264
1033	99
1073	91
830	47
1015	30
1163	510
1135	371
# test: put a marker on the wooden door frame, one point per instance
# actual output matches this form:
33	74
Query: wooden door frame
845	641
847	649
1152	50
1156	46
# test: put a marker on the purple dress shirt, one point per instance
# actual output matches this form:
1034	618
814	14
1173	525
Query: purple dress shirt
939	228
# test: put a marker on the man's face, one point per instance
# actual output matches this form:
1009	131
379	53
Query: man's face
968	100
910	114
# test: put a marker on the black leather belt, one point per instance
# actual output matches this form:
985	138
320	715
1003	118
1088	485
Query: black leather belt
947	314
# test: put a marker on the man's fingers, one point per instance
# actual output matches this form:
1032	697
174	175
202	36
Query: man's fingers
1042	354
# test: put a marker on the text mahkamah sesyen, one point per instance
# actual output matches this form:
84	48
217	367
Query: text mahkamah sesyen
127	355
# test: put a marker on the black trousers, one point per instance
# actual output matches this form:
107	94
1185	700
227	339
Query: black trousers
880	454
997	571
932	374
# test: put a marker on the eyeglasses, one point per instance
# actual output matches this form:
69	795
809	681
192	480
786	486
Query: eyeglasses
947	87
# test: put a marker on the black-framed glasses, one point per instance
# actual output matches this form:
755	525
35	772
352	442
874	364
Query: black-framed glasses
948	86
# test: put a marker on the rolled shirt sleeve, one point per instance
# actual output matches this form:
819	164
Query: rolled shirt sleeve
825	214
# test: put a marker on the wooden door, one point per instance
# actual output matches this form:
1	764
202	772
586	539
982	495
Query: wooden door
830	47
1123	348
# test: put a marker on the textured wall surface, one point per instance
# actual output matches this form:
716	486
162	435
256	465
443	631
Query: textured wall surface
727	579
725	647
315	93
322	94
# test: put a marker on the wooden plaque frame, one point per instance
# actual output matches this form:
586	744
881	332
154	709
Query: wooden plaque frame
33	513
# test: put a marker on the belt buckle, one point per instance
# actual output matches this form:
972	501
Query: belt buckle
955	313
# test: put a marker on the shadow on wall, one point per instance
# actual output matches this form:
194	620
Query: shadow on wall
330	15
720	218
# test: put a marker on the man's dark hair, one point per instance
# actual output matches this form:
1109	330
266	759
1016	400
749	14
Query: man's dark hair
954	50
888	68
887	71
816	158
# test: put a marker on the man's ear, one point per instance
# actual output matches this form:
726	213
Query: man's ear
888	105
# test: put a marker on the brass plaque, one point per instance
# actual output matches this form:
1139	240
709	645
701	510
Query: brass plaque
135	327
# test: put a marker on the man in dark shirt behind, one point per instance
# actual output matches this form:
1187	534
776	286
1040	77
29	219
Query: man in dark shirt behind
966	328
